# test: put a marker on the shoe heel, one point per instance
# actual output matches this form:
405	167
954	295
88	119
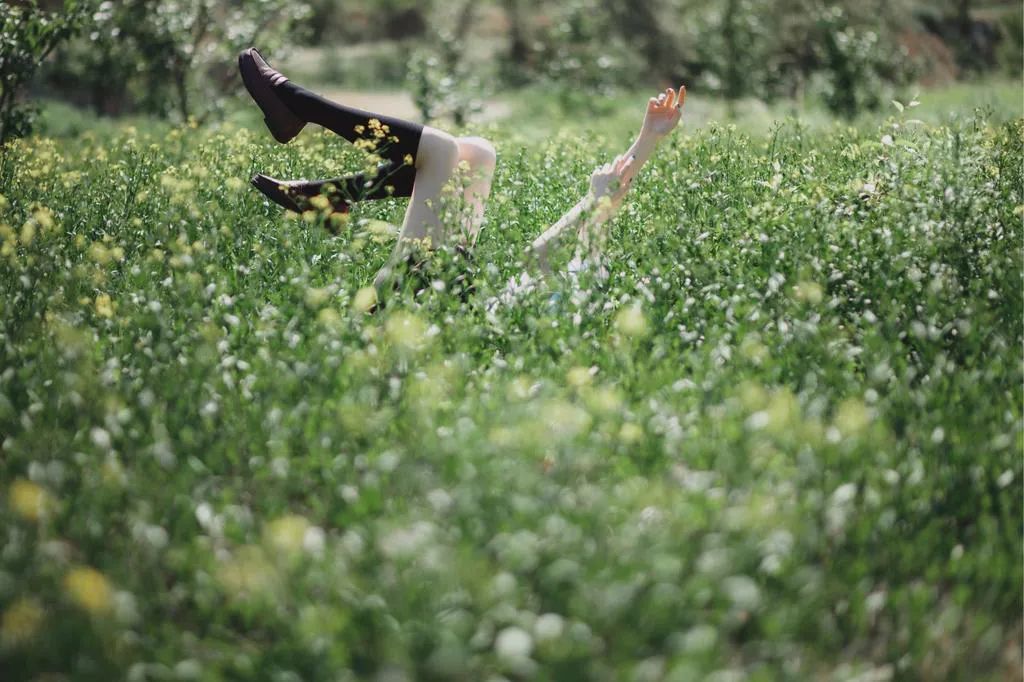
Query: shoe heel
283	138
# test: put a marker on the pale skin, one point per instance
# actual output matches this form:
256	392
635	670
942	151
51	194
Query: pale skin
440	155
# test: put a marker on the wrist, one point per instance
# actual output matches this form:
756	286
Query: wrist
646	143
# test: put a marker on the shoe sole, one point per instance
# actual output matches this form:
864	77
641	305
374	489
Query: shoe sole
272	190
283	124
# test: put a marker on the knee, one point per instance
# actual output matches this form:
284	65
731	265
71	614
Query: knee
477	152
438	150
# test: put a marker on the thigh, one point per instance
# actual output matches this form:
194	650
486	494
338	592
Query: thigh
478	153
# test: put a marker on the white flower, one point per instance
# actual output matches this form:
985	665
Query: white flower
513	643
549	626
100	438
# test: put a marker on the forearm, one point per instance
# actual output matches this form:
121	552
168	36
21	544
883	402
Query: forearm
591	212
573	218
643	148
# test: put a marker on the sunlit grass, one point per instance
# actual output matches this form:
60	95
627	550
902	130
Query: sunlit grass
783	441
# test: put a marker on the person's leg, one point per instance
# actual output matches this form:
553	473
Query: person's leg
480	159
288	108
393	139
342	192
436	162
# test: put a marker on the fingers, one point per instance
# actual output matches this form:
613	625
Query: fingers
670	99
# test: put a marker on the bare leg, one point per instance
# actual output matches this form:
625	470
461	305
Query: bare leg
437	159
480	159
438	162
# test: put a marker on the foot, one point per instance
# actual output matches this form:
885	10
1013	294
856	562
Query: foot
260	80
295	195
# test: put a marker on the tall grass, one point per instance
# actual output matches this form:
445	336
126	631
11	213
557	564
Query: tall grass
783	441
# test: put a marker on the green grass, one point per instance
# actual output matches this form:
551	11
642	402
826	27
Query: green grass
782	442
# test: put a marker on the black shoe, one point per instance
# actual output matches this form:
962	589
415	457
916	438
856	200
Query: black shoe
276	191
294	195
260	80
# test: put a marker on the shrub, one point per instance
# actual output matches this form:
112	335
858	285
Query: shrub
28	34
167	57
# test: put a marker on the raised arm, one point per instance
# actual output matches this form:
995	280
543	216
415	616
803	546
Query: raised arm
610	183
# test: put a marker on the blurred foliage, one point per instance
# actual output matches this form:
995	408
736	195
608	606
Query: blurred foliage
781	442
176	57
28	34
441	77
850	54
739	48
346	21
166	57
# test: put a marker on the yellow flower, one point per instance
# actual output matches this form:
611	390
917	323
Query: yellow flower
320	202
100	254
317	296
104	306
286	534
28	500
364	299
809	292
328	317
234	184
89	589
631	321
360	129
578	377
408	159
28	232
247	572
339	220
44	218
21	621
852	417
406	331
630	433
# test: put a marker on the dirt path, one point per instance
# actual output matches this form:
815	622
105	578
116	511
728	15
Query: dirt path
400	104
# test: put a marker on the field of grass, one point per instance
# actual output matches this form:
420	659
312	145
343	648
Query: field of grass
783	441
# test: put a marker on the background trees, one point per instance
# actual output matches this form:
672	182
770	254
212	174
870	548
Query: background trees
165	57
28	34
175	58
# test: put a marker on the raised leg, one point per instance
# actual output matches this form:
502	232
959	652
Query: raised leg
289	107
436	162
478	158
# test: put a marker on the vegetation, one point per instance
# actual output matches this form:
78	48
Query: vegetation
27	37
782	442
174	58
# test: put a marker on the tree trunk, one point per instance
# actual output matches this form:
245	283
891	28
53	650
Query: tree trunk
465	20
518	49
733	86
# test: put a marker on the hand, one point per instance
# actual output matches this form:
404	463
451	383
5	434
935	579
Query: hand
664	112
613	179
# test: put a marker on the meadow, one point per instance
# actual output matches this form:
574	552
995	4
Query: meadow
783	441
